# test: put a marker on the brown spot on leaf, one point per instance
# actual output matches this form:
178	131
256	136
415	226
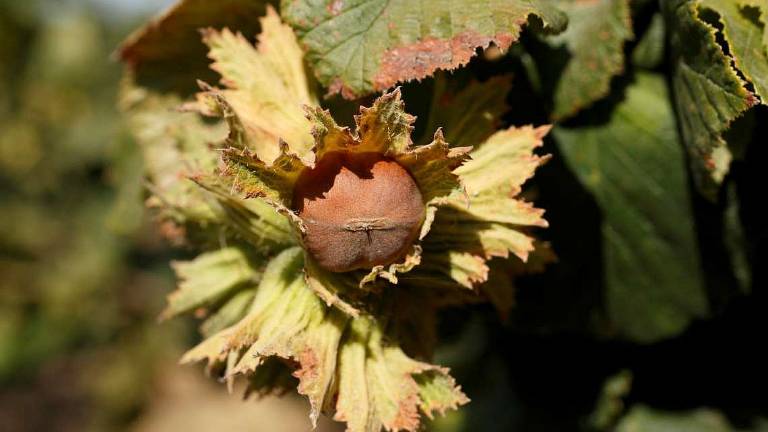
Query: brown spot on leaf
335	7
338	86
420	60
752	100
709	163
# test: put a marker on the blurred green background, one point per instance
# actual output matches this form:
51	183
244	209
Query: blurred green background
83	274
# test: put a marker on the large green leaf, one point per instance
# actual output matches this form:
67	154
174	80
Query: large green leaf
634	166
593	47
709	92
360	46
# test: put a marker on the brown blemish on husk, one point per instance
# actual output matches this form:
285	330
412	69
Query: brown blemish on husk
408	410
309	369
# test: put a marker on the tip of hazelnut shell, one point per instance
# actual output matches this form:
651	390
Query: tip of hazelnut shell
360	210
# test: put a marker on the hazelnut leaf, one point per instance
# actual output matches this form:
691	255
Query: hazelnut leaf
708	91
633	165
650	51
358	47
744	22
587	55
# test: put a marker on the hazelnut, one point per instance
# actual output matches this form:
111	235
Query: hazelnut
360	210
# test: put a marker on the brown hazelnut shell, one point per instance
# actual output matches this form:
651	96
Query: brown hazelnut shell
360	210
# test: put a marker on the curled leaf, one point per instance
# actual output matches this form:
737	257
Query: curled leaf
167	55
709	93
743	28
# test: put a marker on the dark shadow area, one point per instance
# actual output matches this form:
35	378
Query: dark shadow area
544	370
568	296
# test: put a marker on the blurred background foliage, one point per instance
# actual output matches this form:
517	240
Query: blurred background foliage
83	272
82	276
